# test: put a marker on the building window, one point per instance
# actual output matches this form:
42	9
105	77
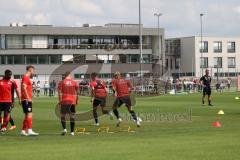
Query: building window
17	76
122	58
217	62
2	60
55	59
146	58
10	59
134	58
204	62
166	63
203	47
18	59
171	64
231	62
217	47
14	41
31	59
79	58
177	63
231	47
2	41
43	59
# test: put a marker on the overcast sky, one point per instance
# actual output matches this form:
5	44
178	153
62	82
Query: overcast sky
181	17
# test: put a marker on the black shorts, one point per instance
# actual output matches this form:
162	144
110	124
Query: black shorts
27	106
123	100
6	106
207	91
68	109
99	102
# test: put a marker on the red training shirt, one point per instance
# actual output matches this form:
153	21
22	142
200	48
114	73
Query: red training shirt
99	88
68	91
6	90
26	81
122	87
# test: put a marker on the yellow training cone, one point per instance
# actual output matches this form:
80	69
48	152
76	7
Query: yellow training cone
236	97
221	112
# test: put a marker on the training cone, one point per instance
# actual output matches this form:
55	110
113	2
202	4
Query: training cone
221	112
236	97
216	124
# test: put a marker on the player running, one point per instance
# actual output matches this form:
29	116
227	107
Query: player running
206	83
7	88
26	98
68	91
98	96
122	89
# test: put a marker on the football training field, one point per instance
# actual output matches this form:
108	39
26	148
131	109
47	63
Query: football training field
173	128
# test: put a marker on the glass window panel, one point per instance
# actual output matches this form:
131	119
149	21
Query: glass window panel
31	59
43	59
18	59
14	41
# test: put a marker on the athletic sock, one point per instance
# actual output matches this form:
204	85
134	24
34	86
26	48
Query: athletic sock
203	102
115	111
29	122
5	122
134	116
96	120
95	115
72	124
63	121
24	127
209	102
11	121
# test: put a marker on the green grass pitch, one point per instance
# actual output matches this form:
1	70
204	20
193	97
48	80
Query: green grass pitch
192	138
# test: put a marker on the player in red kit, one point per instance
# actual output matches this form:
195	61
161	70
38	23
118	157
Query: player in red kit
26	98
99	94
122	89
68	91
7	88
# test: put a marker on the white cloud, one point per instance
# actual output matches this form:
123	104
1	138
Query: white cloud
181	17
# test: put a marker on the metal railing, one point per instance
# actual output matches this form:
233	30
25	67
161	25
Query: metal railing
78	46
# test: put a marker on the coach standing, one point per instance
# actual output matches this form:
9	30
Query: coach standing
7	87
26	98
206	83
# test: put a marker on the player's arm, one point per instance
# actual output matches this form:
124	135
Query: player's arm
201	82
114	91
59	92
92	92
77	92
130	85
24	86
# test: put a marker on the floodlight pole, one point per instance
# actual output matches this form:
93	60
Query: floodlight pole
140	47
158	15
201	46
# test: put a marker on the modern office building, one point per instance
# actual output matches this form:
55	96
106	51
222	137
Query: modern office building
82	50
188	57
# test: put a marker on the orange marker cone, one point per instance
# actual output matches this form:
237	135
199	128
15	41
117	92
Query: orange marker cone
216	124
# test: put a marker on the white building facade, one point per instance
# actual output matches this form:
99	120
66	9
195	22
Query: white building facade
188	57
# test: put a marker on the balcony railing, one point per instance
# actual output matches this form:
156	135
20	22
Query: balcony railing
108	47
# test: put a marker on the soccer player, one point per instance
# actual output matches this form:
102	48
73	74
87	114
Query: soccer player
206	83
68	91
122	89
26	98
7	88
98	96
